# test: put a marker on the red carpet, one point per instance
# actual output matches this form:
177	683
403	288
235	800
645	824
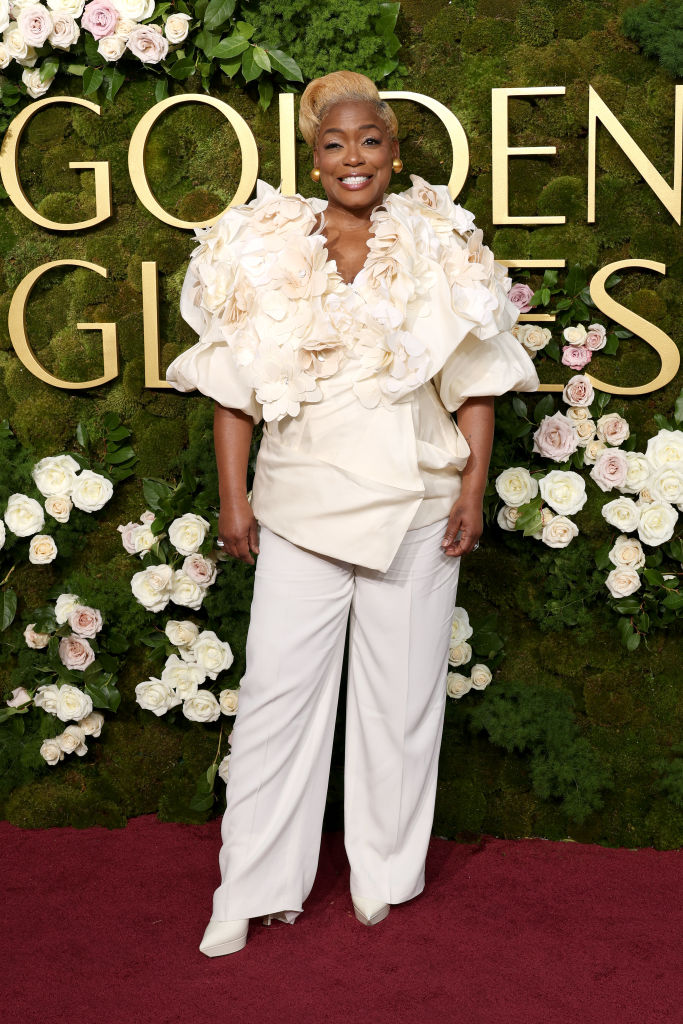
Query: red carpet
104	926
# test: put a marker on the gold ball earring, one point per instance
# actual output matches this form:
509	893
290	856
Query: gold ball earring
397	164
315	174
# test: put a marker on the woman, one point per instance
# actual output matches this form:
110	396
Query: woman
353	328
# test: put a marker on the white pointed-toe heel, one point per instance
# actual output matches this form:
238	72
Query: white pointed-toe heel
288	916
223	937
369	911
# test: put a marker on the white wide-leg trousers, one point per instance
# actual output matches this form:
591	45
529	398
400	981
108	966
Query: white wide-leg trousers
399	632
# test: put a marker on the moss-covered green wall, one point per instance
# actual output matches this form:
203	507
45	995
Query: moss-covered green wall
626	708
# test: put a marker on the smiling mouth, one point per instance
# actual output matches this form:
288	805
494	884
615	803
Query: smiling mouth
355	180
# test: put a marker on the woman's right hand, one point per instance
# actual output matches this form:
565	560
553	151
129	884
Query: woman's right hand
238	529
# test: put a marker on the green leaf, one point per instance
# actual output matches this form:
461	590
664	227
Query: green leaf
8	608
673	600
545	296
654	577
155	491
211	774
92	80
182	69
519	406
662	422
544	408
286	65
245	29
602	560
104	695
265	92
250	69
161	89
678	408
611	344
218	12
229	48
231	68
627	605
82	435
552	349
49	68
632	641
6	713
575	281
385	23
119	455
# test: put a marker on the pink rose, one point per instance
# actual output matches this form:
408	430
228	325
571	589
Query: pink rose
35	23
85	621
201	570
75	652
610	469
555	438
596	337
576	356
521	294
578	391
99	18
148	43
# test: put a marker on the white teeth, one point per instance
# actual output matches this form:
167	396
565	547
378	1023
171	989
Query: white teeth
356	177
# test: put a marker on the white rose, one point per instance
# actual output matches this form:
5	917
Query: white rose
228	700
592	450
181	632
124	27
578	391
176	27
507	517
42	549
575	335
613	428
59	507
36	641
72	740
111	47
17	47
65	31
480	677
638	472
72	7
3	534
622	582
212	654
35	85
459	654
622	513
532	337
666	483
64	605
46	698
72	703
51	751
91	491
585	432
577	413
516	486
55	475
184	591
665	447
203	707
136	10
155	696
5	56
224	768
92	724
564	491
20	695
559	532
152	586
627	553
457	685
185	678
143	539
24	515
460	626
657	522
187	533
148	517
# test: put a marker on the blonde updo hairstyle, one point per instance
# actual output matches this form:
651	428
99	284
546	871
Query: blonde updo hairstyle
340	87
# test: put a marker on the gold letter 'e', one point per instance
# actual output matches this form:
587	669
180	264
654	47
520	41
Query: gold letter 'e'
136	157
17	331
660	342
9	170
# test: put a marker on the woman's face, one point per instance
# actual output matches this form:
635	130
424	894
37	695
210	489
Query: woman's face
354	152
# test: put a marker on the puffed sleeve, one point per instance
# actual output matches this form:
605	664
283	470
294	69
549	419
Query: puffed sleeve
489	360
208	301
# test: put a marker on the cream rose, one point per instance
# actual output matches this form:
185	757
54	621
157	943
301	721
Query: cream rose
153	695
592	450
124	27
577	414
228	700
72	703
72	740
507	518
35	85
555	438
613	428
152	586
578	391
622	582
65	31
185	678
480	677
564	491
666	483
55	475
51	751
76	653
657	522
622	513
575	335
64	605
200	570
59	507
212	654
5	56
185	592
46	698
92	724
181	632
85	621
460	625
559	532
459	653
532	337
585	432
457	685
176	27
203	707
609	470
148	43
665	447
23	515
111	47
91	491
36	641
516	486
187	533
42	549
627	553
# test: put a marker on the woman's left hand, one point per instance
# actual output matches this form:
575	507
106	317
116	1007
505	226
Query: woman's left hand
467	516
